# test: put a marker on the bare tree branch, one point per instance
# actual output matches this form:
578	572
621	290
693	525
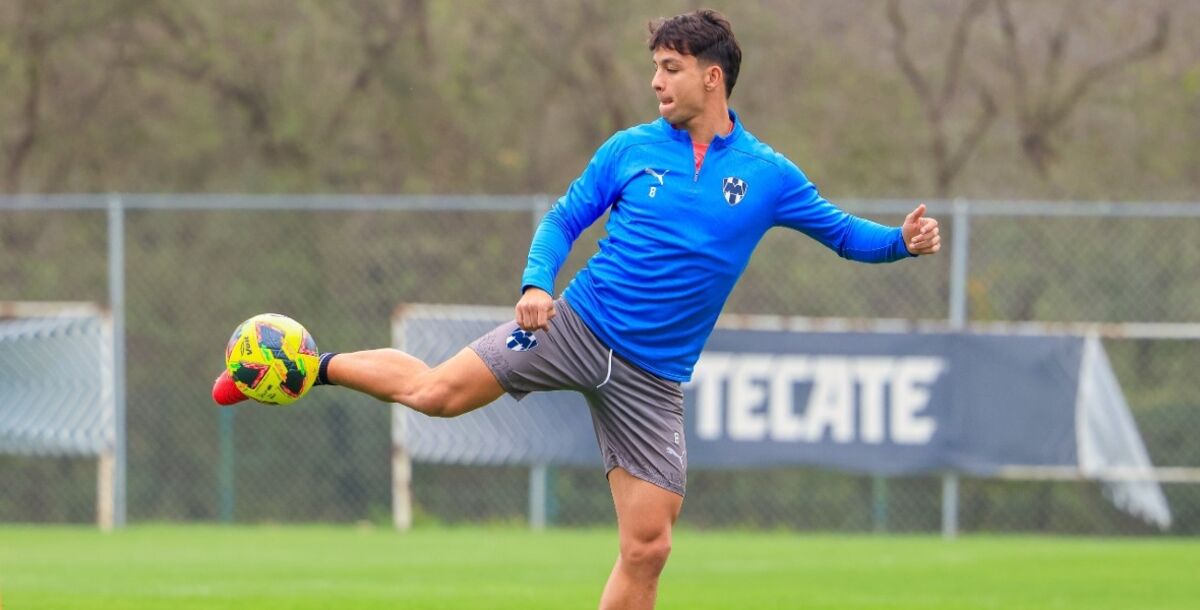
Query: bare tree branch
958	48
35	44
599	56
1152	46
1057	45
560	42
30	113
900	51
1016	67
376	53
416	15
88	107
974	137
948	159
1040	114
192	64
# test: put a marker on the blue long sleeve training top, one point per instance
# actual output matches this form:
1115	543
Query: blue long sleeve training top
679	238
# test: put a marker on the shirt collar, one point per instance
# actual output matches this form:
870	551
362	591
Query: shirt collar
718	141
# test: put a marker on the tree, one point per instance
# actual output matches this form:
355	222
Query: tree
49	101
1041	110
949	158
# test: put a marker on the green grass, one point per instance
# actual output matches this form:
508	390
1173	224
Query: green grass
267	567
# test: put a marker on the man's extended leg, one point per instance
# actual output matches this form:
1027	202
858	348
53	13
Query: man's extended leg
461	384
645	515
468	380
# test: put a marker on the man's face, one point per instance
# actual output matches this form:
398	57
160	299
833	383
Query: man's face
679	86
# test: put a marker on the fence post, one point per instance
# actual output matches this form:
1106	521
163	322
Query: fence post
960	250
950	505
959	259
116	302
538	475
225	472
104	491
402	497
402	502
879	503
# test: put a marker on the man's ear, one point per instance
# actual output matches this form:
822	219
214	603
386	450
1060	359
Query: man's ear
713	77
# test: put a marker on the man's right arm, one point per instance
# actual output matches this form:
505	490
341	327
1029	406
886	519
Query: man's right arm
535	309
585	201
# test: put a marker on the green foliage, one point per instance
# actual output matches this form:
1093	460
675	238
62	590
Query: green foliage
435	96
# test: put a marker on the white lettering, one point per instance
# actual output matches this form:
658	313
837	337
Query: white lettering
910	394
786	424
754	397
831	405
708	377
873	375
747	396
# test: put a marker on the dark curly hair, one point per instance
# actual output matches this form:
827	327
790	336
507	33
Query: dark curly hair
705	34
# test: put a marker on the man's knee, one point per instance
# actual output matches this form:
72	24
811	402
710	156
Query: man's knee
436	397
458	386
647	555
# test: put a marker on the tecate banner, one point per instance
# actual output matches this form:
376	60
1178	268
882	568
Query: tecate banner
883	403
868	402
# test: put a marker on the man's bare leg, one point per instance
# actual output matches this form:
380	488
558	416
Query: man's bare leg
645	516
461	384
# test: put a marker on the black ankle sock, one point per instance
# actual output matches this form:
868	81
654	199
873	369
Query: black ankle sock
323	369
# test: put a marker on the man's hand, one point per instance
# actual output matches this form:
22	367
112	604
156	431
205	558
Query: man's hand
920	233
535	309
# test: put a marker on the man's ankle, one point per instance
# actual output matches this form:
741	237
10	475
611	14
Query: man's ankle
323	369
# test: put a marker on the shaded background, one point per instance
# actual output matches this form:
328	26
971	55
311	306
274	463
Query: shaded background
1080	100
916	99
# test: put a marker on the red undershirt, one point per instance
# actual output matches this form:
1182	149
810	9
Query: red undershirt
700	149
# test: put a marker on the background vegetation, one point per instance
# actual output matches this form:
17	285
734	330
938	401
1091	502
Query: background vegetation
909	98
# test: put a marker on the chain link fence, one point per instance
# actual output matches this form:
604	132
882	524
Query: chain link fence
195	266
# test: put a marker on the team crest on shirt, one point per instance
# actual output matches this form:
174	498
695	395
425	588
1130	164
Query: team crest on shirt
734	190
521	341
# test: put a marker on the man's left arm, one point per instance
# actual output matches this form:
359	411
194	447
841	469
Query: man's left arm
802	208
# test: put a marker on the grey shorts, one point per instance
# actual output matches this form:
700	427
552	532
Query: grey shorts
638	417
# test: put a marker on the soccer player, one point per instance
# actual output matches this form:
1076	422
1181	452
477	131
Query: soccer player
690	196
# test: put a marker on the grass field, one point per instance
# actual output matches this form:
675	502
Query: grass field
266	567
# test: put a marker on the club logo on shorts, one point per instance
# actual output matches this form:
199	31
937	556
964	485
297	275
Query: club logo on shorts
734	189
521	341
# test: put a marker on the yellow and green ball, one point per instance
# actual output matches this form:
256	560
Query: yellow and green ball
272	359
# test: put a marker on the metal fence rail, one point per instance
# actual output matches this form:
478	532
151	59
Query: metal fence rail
179	271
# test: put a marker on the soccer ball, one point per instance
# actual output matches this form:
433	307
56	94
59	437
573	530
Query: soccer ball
272	359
